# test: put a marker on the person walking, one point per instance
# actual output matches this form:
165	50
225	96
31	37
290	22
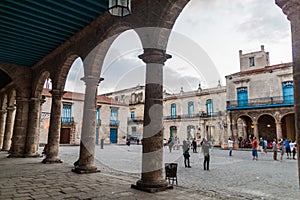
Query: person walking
205	150
170	144
254	148
186	154
261	145
194	143
274	149
293	146
230	146
281	148
288	149
128	144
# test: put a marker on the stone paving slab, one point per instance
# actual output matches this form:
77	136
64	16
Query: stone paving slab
28	178
236	177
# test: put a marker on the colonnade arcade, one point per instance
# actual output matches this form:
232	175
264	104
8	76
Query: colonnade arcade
267	124
152	20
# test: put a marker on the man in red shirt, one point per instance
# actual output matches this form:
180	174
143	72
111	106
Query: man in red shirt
254	148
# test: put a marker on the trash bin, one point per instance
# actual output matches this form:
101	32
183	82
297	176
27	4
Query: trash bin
171	172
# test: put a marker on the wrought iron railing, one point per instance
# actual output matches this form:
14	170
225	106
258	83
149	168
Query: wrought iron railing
198	115
262	102
135	119
114	122
67	120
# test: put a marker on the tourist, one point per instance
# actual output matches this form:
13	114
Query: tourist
206	152
128	144
281	148
230	146
254	148
261	145
274	149
186	154
194	143
293	147
288	149
170	144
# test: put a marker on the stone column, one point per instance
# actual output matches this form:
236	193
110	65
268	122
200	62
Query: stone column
2	126
278	130
255	131
32	140
292	10
20	128
9	125
88	134
54	129
152	158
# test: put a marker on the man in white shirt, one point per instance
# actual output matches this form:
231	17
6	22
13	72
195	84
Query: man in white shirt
230	145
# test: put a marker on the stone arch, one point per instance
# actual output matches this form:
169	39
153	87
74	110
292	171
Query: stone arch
93	61
288	126
39	84
59	77
245	126
267	126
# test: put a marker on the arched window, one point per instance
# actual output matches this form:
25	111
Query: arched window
173	110
173	132
209	107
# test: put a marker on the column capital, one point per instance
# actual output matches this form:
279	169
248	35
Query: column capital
289	7
92	80
11	108
152	55
57	93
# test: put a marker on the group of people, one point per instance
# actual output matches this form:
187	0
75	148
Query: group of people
205	149
284	146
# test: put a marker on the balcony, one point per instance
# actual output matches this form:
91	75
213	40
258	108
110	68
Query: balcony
135	119
265	102
67	120
114	123
191	116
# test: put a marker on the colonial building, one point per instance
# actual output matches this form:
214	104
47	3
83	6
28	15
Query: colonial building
260	99
193	114
134	98
196	114
111	119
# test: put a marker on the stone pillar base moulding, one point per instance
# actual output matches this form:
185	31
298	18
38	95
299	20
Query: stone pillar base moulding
152	187
84	170
52	161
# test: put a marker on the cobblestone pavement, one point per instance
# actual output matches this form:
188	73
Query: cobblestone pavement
236	177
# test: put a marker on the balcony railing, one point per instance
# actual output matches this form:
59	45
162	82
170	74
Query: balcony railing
67	120
190	116
135	119
264	102
114	122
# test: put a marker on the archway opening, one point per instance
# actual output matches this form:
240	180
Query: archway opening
267	128
288	127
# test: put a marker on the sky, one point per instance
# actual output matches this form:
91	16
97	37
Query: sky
204	44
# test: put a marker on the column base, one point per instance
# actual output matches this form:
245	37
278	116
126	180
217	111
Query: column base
16	156
85	170
152	187
32	155
52	160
